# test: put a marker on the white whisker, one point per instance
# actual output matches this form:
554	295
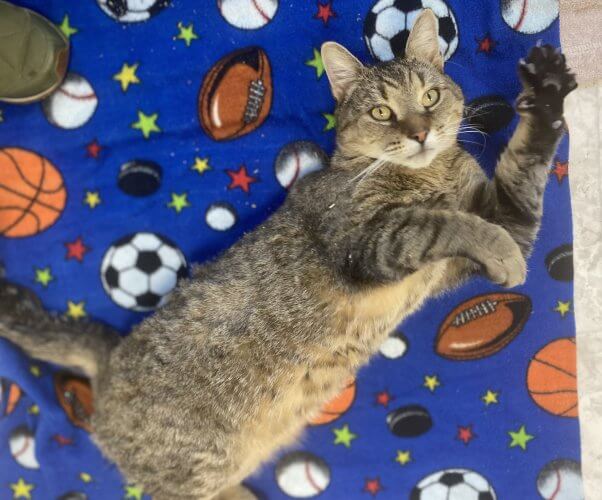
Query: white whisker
369	169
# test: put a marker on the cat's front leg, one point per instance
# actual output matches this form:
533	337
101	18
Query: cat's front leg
514	199
499	256
398	241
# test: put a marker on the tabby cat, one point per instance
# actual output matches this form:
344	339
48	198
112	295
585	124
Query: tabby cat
249	348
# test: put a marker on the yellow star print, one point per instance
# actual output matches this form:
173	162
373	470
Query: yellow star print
431	382
403	457
92	199
490	397
66	28
563	307
201	165
21	489
85	477
186	33
127	76
76	310
43	276
344	436
178	202
133	491
331	122
316	63
33	410
520	438
146	124
35	370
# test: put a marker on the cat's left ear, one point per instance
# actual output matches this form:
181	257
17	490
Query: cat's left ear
423	42
342	68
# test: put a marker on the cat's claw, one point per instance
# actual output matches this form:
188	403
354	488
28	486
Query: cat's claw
546	80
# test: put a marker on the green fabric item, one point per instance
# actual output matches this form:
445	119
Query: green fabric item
33	55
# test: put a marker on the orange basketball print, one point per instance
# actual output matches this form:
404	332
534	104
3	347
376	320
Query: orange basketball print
552	378
336	407
32	193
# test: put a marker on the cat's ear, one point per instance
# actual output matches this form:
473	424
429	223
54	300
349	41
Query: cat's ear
341	66
423	42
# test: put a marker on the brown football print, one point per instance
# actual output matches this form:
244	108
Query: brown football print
236	94
481	326
75	395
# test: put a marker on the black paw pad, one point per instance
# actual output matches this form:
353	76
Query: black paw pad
547	81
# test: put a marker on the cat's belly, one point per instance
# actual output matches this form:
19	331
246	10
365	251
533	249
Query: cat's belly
364	321
281	422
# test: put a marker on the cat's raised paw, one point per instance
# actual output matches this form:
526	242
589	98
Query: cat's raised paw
546	80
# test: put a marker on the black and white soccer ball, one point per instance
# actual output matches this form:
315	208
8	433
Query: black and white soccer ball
132	11
139	270
387	27
453	484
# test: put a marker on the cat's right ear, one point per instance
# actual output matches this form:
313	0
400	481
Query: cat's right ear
342	68
423	42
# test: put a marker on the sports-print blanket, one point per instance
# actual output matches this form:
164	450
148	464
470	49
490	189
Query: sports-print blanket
180	126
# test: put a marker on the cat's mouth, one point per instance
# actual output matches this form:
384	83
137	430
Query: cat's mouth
425	150
421	158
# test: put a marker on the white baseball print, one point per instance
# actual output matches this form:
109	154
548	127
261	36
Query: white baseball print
296	160
394	347
529	16
560	480
302	475
220	216
22	446
72	104
248	14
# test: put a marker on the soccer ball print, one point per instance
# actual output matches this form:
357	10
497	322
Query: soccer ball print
132	11
388	24
453	484
139	270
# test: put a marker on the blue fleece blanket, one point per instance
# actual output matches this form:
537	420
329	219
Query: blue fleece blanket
180	126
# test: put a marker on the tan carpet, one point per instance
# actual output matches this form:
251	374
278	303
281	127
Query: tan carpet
581	35
584	115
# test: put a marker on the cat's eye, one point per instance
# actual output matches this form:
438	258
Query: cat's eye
430	98
381	113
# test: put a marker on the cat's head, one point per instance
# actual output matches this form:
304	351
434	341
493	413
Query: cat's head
404	111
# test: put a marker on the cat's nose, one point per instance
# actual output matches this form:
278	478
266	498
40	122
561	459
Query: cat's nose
420	136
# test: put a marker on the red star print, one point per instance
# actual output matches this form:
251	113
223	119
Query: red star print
76	249
93	149
240	179
465	434
62	440
373	486
486	44
383	398
560	170
325	12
